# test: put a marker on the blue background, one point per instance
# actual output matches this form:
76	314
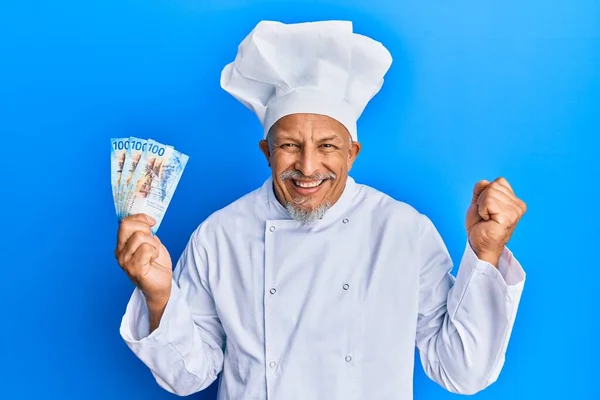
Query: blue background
477	90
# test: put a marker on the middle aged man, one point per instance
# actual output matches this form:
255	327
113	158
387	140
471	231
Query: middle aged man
314	286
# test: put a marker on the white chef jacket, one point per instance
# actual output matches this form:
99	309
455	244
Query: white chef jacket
330	310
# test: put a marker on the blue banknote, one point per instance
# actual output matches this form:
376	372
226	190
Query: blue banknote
144	176
135	149
154	181
118	150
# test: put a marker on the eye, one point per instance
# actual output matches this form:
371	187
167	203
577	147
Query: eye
328	146
289	147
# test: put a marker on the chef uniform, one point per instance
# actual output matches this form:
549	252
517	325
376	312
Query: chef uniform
333	309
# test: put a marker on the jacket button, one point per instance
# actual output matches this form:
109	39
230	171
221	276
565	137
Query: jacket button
272	229
345	220
272	291
346	286
272	364
348	358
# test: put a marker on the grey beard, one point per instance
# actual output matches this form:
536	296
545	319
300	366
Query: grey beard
306	215
296	210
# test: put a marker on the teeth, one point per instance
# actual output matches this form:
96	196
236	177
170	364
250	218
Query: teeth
308	184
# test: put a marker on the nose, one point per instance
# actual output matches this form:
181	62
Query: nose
308	161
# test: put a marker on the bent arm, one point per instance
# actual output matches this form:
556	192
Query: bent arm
185	351
464	324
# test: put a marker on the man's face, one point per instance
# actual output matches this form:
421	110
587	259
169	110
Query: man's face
310	156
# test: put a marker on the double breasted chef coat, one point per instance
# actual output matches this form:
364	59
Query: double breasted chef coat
330	310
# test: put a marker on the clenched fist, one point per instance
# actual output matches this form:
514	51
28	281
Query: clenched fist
492	217
144	259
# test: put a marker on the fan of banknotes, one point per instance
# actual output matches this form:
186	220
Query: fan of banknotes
144	176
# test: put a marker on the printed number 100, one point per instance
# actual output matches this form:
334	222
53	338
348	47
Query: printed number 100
155	149
121	144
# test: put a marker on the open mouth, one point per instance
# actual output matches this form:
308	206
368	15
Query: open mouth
307	184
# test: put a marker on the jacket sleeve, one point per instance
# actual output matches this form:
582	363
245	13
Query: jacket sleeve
185	353
464	323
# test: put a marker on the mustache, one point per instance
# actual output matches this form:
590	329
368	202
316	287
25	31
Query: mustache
295	174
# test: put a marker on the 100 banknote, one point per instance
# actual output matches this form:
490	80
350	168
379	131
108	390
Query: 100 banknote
144	176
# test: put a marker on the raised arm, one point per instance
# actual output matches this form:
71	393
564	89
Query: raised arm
170	322
464	324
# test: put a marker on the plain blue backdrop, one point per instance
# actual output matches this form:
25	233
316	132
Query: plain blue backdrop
477	90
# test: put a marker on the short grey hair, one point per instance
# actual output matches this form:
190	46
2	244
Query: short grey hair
270	137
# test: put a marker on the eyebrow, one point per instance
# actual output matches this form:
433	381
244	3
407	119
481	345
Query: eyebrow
286	139
328	138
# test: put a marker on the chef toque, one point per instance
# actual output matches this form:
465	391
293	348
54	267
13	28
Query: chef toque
314	67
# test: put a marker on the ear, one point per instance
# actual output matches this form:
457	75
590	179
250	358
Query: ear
264	147
353	153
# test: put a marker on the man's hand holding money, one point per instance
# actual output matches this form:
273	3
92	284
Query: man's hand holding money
144	175
147	263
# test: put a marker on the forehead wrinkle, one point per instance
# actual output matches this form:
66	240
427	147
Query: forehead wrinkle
325	133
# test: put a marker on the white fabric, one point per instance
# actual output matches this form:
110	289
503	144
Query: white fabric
312	67
353	294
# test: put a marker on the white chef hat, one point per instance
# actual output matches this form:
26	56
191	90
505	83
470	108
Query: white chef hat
314	67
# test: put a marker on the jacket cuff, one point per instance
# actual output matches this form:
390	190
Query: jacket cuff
135	324
509	276
509	271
